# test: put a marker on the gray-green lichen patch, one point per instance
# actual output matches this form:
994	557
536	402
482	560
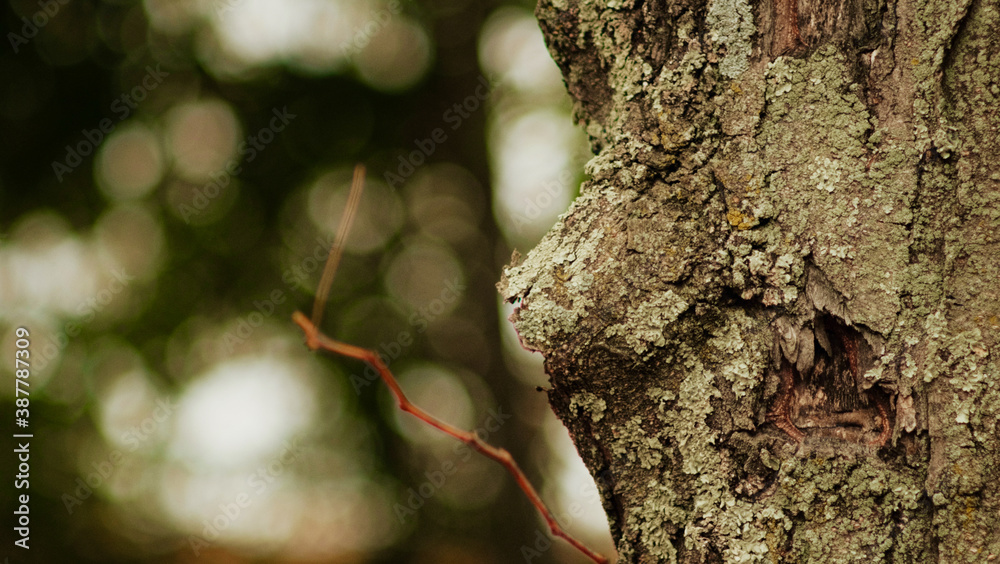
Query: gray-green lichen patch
743	361
827	190
686	422
589	403
847	510
559	319
651	521
660	396
826	173
945	352
710	509
553	282
843	511
636	444
520	279
760	274
731	24
643	325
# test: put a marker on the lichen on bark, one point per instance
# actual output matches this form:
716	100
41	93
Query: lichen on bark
746	199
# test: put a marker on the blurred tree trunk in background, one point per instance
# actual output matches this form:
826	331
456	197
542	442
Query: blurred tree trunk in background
789	232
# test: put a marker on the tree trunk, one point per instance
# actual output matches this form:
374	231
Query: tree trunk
770	319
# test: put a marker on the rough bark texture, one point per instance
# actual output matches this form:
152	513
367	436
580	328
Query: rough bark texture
789	231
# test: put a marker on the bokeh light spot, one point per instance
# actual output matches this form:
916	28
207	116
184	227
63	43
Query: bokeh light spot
439	391
132	237
45	268
380	213
129	163
240	411
426	277
399	58
511	46
532	154
445	202
202	137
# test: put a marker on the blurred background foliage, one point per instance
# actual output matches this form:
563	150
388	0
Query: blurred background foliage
172	174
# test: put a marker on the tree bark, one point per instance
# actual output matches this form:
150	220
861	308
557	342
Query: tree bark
770	319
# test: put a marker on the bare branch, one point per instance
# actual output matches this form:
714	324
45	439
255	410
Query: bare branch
316	340
337	249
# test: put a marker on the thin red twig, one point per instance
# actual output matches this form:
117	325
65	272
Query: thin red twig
337	249
316	340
